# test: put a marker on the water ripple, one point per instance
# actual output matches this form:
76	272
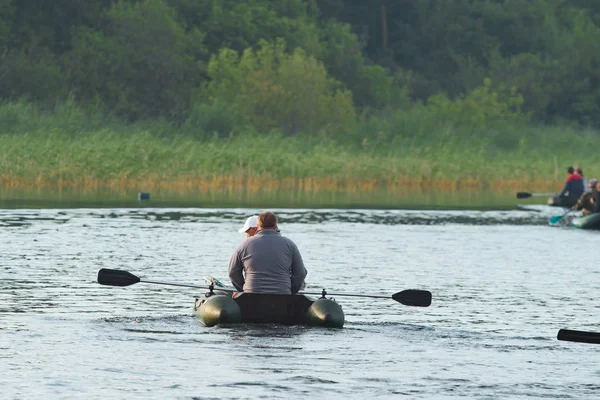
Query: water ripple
503	283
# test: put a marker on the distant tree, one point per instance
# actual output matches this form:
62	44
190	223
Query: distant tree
238	25
372	85
276	90
33	74
6	20
43	23
144	64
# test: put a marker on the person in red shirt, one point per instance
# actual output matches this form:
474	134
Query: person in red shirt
571	192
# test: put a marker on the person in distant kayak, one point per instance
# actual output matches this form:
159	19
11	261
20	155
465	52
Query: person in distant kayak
267	262
571	192
587	202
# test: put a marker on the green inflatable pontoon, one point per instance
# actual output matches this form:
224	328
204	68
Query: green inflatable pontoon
214	309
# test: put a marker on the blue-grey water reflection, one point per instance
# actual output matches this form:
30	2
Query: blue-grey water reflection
503	283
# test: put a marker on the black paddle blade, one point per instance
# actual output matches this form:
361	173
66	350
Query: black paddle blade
115	277
578	336
413	297
523	195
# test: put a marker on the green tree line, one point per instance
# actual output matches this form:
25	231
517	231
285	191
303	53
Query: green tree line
217	67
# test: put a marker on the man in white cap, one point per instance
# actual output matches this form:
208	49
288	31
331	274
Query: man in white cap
250	226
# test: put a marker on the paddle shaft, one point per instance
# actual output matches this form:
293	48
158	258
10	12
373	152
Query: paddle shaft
189	285
114	277
409	297
404	295
373	296
324	293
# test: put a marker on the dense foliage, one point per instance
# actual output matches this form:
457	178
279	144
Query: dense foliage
338	68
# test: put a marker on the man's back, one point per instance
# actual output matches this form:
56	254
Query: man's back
272	264
577	188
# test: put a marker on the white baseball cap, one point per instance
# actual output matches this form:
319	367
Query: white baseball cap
251	222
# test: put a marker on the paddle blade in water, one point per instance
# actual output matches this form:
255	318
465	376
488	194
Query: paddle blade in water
413	297
578	336
115	277
557	218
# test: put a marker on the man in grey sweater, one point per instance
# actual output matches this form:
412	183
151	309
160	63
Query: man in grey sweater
271	262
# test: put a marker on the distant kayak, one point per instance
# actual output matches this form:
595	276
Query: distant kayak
591	222
564	201
553	199
552	213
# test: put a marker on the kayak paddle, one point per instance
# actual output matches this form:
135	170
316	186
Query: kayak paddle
557	218
526	195
570	335
115	277
409	297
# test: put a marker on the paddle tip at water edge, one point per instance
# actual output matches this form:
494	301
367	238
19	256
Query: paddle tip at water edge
570	335
525	195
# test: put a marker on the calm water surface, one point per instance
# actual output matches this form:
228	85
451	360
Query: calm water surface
503	283
276	197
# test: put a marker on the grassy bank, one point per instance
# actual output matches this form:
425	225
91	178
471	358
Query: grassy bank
71	148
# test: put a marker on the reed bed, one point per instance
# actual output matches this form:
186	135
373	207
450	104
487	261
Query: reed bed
108	160
73	149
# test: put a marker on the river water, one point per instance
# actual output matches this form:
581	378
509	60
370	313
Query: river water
503	284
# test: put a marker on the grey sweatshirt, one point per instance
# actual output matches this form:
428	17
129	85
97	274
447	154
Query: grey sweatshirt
271	262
